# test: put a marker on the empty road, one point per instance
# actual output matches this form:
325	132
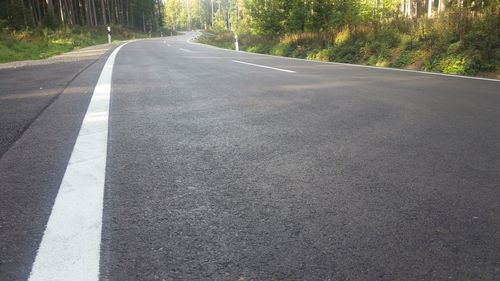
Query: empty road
169	160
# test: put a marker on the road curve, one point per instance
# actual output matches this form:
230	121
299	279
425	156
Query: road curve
223	165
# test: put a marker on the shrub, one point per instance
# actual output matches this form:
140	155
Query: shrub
463	64
405	58
346	54
441	44
311	55
342	37
299	52
282	49
260	48
388	36
323	55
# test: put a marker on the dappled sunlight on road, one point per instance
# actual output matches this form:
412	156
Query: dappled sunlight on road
44	93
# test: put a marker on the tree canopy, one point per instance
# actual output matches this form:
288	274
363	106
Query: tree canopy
287	16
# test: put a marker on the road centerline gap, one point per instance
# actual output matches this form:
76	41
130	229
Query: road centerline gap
70	247
264	66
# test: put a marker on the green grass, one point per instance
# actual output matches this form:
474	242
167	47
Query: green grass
43	43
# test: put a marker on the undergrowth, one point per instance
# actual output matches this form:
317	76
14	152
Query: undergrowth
40	43
427	44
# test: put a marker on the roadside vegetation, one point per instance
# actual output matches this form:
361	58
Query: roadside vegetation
41	43
37	29
428	45
447	36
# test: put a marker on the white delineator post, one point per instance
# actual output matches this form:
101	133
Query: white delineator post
109	34
236	44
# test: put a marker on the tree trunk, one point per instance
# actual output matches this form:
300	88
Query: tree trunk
189	14
143	22
50	5
94	12
127	11
408	8
103	12
441	6
110	19
61	12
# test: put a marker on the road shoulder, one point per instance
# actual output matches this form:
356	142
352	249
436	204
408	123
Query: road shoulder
27	88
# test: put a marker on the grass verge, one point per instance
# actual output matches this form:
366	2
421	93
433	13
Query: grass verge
426	46
40	43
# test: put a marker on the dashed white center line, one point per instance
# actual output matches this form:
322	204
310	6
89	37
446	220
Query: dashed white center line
185	50
263	66
70	247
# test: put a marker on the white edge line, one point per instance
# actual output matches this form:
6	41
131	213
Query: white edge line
70	247
349	64
263	66
185	50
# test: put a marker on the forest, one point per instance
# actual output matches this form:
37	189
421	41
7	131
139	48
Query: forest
451	36
145	15
37	29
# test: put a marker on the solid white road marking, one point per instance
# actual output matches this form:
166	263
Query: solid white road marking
263	66
187	51
169	45
70	247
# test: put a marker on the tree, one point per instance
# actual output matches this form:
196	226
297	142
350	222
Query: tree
131	13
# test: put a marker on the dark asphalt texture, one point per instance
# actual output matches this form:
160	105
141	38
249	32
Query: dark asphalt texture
26	92
223	171
31	170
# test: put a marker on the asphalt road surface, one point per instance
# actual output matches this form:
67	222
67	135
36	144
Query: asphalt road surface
197	163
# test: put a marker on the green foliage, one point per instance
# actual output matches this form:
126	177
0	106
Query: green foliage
145	15
433	47
282	49
323	55
12	14
260	49
299	52
463	64
221	39
50	21
43	43
219	24
405	58
172	11
347	54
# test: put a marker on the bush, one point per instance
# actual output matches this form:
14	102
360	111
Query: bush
300	52
282	49
438	44
389	36
323	55
458	64
311	55
405	58
260	48
347	54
